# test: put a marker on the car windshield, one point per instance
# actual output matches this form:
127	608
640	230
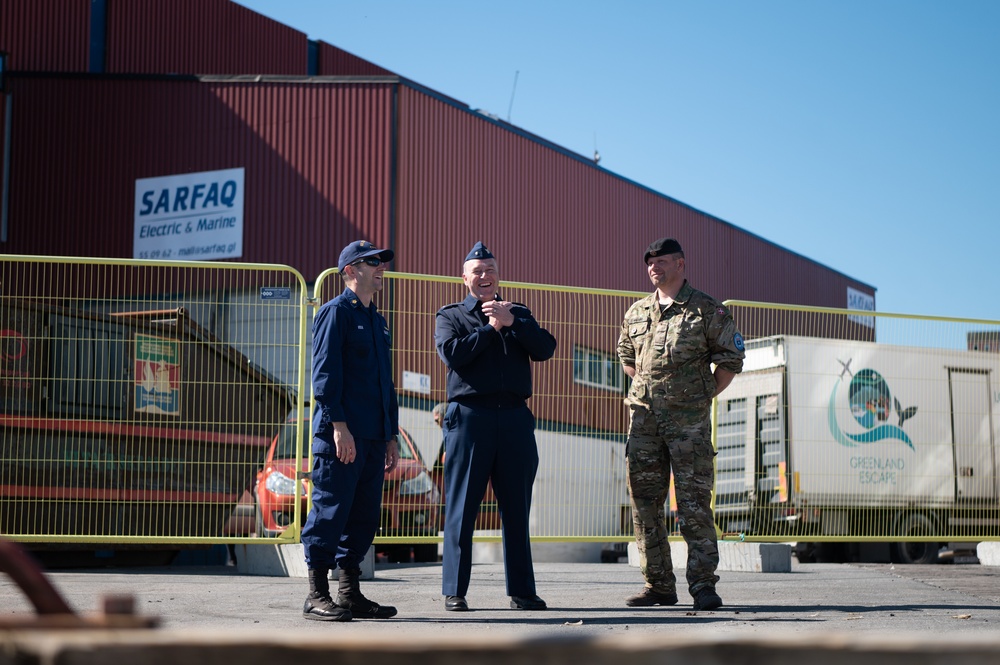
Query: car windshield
404	450
286	444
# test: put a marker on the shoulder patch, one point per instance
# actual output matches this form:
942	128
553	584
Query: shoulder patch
738	341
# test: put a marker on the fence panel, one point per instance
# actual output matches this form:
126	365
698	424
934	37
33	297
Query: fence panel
136	407
875	427
139	399
580	493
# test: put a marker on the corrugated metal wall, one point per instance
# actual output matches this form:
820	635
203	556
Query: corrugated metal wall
552	217
4	193
320	161
151	36
45	35
317	160
200	37
332	61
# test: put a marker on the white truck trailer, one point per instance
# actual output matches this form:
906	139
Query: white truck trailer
821	439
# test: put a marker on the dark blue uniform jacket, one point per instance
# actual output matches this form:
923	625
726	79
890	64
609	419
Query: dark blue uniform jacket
484	362
352	341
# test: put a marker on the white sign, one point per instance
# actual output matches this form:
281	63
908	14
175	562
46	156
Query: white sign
860	300
418	383
194	216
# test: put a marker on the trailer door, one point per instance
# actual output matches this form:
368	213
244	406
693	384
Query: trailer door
750	442
972	434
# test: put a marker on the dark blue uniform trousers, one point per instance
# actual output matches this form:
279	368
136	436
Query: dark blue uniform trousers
346	508
484	444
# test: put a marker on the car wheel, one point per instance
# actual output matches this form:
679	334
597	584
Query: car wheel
425	553
259	518
397	553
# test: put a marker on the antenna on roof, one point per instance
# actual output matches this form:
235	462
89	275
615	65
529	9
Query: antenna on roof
511	105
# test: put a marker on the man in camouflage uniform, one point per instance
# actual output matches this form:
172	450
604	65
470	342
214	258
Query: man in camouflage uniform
668	343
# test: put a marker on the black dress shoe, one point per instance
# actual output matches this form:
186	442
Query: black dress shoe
456	604
527	603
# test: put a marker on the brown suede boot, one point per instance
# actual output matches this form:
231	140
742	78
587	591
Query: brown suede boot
649	597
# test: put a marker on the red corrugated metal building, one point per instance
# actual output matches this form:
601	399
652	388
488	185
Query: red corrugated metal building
100	93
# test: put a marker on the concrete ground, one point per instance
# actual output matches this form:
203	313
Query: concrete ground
584	599
821	614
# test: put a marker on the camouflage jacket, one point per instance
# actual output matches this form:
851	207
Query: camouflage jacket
672	351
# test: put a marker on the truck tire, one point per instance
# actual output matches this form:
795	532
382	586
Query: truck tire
832	553
915	524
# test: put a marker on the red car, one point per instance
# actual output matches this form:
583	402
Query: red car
411	502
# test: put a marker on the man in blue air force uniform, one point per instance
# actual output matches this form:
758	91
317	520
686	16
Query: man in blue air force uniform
488	345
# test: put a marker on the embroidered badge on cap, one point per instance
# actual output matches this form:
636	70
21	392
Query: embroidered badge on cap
479	251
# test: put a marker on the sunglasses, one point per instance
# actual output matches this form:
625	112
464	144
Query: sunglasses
373	261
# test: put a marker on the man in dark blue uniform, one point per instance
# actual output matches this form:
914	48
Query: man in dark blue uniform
354	422
488	345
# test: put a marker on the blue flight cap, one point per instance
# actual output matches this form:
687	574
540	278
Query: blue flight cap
479	251
362	249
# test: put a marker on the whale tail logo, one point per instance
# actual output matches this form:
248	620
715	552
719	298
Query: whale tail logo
904	414
871	404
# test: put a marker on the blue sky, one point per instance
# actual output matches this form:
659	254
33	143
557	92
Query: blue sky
863	134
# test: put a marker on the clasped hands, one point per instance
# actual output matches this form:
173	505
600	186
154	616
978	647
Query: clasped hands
499	313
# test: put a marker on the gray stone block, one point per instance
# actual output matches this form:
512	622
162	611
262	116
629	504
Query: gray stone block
285	560
988	553
733	557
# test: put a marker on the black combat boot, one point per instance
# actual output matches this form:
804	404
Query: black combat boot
705	598
319	606
351	598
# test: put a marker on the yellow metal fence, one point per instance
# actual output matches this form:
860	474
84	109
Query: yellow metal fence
139	399
140	402
849	426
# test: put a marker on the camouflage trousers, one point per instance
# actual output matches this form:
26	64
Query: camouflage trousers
658	442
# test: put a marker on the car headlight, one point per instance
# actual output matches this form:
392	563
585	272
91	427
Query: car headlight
279	483
419	484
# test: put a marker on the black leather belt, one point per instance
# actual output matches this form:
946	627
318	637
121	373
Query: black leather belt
490	401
